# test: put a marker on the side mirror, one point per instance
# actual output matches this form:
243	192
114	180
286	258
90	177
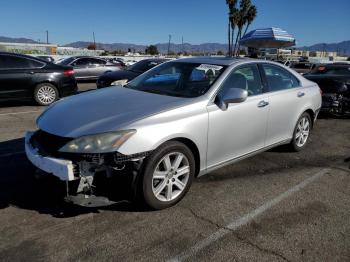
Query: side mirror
232	95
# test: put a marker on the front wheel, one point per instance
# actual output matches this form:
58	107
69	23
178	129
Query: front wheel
167	175
301	132
45	94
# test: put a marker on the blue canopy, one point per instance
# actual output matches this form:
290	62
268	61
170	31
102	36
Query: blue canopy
268	38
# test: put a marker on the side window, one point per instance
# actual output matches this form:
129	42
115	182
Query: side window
247	78
35	64
13	62
82	62
338	71
279	78
97	61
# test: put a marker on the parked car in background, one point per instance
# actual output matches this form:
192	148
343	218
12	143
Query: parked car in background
302	67
89	68
122	77
334	81
46	58
177	121
27	77
116	60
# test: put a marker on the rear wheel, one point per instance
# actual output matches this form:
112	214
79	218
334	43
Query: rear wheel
301	132
45	94
167	175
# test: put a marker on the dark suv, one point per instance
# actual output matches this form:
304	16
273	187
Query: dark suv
27	77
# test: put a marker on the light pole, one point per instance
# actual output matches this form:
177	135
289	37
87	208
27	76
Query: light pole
169	44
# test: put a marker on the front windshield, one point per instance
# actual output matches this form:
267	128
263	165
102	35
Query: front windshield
178	79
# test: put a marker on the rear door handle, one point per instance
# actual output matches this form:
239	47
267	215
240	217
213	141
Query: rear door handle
31	72
263	103
301	94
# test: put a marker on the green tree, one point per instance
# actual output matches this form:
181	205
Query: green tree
152	50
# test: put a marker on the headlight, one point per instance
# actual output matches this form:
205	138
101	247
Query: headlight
121	82
100	143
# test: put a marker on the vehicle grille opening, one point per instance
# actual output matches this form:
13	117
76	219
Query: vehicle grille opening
48	144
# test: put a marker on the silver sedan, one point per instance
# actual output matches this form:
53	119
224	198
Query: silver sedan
180	120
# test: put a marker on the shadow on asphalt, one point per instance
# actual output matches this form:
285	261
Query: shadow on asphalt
17	103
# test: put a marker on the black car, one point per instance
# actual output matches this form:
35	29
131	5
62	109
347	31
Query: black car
123	76
25	77
334	81
302	67
88	67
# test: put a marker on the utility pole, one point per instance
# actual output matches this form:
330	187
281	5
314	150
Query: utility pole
93	36
182	45
169	44
47	36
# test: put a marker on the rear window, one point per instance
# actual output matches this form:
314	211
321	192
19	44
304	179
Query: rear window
14	62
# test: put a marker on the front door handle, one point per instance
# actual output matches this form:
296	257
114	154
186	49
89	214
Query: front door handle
301	94
263	103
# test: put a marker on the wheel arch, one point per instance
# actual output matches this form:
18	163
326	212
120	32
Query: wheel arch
312	115
194	149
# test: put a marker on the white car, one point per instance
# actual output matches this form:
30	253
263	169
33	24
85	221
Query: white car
177	121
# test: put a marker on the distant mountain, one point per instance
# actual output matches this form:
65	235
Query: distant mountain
17	40
162	47
341	48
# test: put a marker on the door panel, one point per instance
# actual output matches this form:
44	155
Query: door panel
284	111
16	75
286	99
239	130
82	68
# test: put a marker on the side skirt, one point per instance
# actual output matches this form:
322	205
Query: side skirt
234	160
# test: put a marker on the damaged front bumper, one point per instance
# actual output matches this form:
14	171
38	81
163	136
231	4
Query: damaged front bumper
91	179
61	168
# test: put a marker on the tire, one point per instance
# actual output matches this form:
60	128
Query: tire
45	94
154	191
301	132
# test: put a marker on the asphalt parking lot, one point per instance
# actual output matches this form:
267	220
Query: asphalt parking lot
276	206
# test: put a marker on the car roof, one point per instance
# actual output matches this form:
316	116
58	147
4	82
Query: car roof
23	55
224	61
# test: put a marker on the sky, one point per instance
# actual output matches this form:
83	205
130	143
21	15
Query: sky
151	21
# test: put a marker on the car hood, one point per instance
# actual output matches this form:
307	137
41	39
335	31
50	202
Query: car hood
104	110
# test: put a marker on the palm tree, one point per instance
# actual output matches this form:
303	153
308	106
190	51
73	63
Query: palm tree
239	17
244	6
234	22
231	6
251	15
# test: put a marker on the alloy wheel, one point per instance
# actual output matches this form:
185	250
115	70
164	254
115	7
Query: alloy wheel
170	176
303	131
46	94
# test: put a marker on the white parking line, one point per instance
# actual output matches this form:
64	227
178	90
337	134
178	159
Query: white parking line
16	113
235	224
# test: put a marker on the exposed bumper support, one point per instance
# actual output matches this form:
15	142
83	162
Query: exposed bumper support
61	168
